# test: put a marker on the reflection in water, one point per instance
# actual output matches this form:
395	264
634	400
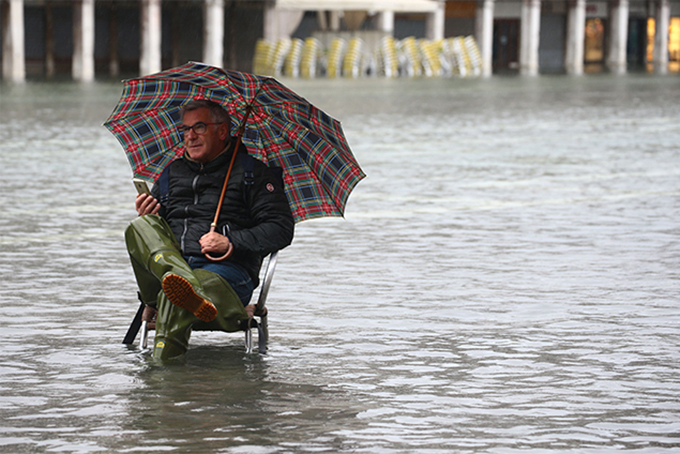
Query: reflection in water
505	278
225	399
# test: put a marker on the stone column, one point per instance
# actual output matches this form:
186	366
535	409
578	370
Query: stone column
618	38
270	23
386	22
213	38
530	29
334	20
150	52
280	23
434	27
13	56
484	34
662	22
576	30
322	20
82	66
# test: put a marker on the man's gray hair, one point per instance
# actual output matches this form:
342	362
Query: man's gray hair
217	112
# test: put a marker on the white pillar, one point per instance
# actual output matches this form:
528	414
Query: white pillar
434	27
150	52
576	32
271	29
13	56
386	22
618	38
213	38
83	41
322	20
529	37
334	20
281	23
484	34
662	22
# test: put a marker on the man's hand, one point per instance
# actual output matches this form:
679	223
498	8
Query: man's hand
146	204
213	243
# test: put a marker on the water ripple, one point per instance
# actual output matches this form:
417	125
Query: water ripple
504	280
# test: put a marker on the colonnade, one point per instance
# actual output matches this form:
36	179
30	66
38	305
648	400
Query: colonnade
279	23
434	23
576	20
150	36
13	54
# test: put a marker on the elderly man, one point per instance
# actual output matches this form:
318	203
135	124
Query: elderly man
168	243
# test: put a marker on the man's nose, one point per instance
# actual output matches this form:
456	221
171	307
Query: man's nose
190	134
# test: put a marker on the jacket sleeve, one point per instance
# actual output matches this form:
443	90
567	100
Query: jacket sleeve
156	191
273	224
156	194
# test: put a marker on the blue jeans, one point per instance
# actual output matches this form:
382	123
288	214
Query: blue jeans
234	274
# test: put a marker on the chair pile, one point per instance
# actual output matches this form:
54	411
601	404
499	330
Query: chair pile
410	57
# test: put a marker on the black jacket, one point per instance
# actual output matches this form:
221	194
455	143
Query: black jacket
258	220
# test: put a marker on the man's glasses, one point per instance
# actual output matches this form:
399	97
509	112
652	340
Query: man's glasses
199	128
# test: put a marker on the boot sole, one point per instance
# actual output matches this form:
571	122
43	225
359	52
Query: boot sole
181	293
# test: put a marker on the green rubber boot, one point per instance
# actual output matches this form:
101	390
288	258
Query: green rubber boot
174	324
158	265
230	310
173	329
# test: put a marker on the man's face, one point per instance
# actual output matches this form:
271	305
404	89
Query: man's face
207	146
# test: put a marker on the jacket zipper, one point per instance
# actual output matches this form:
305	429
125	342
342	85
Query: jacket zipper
186	209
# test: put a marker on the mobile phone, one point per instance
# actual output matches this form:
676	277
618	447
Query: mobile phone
141	185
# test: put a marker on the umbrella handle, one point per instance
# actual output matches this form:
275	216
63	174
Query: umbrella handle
230	249
213	226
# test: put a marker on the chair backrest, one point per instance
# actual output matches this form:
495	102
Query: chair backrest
266	281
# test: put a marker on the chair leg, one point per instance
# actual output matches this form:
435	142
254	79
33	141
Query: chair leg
134	326
148	324
144	335
263	334
249	340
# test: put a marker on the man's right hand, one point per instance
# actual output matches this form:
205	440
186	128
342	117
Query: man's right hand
146	204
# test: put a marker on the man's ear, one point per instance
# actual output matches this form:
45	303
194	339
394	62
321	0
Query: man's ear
224	131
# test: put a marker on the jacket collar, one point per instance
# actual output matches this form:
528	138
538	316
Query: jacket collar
221	161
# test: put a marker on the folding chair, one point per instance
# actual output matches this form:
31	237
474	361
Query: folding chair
143	322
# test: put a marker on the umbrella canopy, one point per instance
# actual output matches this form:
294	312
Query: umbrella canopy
283	130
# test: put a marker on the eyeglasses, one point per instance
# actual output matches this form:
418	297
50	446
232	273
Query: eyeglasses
199	128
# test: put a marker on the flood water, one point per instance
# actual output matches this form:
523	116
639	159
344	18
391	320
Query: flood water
506	279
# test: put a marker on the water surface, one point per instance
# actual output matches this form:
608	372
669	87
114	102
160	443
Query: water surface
505	279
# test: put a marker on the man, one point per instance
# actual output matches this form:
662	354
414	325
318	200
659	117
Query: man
173	235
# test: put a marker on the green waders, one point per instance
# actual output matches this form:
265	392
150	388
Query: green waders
155	253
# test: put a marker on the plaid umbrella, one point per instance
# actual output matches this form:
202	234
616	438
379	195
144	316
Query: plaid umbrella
283	130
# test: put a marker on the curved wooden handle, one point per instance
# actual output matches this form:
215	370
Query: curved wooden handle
230	249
